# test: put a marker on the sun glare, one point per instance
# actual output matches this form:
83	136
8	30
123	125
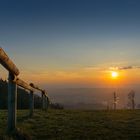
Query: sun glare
114	74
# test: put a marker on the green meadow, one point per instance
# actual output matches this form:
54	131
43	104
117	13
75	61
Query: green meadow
74	125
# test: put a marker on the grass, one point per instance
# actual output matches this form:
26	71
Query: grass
77	125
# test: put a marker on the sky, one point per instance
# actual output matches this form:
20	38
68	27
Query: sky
72	43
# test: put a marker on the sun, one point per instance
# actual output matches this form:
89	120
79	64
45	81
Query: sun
114	74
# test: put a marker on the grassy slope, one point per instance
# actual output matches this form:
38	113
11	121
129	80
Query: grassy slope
78	125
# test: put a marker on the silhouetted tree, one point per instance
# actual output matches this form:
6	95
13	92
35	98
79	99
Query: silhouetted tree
131	99
115	100
22	97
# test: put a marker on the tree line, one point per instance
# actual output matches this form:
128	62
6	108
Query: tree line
22	97
130	103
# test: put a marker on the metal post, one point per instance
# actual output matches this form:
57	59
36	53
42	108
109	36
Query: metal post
46	102
31	103
43	101
12	103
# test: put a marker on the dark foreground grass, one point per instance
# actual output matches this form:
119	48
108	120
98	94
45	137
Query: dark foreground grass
77	125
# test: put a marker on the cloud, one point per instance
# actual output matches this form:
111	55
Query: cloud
126	68
113	68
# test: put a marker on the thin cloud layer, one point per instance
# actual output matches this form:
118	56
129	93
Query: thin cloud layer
124	68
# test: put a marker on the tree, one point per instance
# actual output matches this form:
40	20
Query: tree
115	100
22	97
131	99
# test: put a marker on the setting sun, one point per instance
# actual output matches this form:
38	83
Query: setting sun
114	74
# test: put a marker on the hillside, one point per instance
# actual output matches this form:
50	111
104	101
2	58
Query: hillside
77	125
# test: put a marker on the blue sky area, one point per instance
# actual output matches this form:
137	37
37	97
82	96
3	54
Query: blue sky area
70	35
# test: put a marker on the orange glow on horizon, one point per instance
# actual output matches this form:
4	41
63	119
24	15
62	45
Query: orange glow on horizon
84	78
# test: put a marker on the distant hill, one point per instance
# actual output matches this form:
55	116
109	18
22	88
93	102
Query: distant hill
90	98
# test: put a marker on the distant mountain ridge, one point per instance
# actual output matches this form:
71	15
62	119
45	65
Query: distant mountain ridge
91	97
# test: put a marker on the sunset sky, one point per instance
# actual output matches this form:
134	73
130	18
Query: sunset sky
73	43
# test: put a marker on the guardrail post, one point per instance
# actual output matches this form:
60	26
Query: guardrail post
12	103
46	103
43	101
31	103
